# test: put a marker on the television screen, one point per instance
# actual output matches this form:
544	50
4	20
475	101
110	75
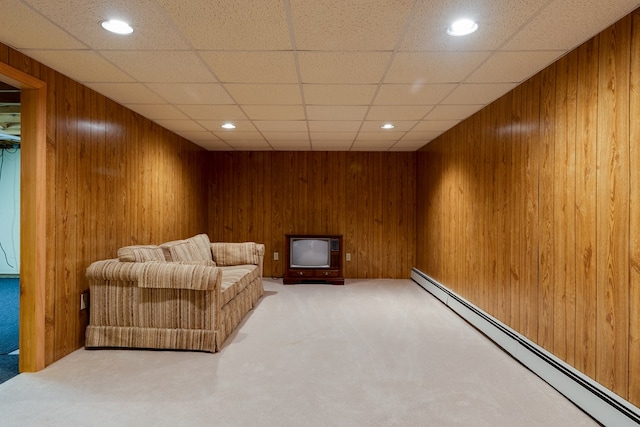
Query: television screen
309	253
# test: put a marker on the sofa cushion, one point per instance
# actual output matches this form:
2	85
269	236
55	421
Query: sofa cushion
235	278
140	253
203	246
193	249
235	253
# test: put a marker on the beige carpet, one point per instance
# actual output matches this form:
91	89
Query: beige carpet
371	353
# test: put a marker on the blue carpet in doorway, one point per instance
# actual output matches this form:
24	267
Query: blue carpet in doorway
8	367
9	314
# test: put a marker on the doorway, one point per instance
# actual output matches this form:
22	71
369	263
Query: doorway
32	216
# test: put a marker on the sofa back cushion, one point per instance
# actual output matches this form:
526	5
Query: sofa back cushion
193	249
140	253
235	253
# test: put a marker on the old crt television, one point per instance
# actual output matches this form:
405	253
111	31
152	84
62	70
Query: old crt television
310	252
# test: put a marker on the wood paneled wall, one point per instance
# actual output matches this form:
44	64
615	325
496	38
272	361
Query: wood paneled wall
530	209
369	198
113	179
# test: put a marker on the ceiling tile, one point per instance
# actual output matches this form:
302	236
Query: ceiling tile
282	126
180	125
565	24
372	145
433	67
231	25
127	93
251	145
451	112
216	126
406	145
522	66
379	136
196	135
420	136
32	30
216	145
83	66
498	20
435	125
265	94
342	67
338	94
334	125
274	112
478	94
191	93
407	112
349	25
231	67
286	136
161	66
336	112
157	111
239	136
152	29
333	136
400	126
416	94
212	112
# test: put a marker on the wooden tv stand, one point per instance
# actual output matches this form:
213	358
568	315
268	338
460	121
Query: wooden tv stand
332	274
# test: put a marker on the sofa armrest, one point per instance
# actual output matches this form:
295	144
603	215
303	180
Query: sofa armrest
113	269
169	275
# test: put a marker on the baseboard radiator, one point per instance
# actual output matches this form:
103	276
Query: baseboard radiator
599	402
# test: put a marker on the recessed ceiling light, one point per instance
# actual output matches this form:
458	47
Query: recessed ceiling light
387	126
462	27
228	126
116	26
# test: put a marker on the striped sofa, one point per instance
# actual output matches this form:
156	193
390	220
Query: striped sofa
186	294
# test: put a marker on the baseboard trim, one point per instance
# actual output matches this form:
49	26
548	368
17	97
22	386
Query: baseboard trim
599	402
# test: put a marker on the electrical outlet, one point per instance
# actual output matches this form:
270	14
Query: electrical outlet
348	256
276	256
84	300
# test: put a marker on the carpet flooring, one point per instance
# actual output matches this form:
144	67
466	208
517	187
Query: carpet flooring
9	324
370	353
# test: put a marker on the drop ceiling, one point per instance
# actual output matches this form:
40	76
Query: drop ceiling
304	74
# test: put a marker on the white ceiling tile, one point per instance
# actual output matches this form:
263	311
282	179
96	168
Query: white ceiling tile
287	136
191	93
342	67
565	24
416	94
348	25
281	125
161	66
180	125
320	94
195	135
250	145
231	67
334	125
333	136
405	145
152	29
30	30
127	93
83	66
216	126
265	94
451	112
157	111
407	112
239	136
435	125
497	21
275	112
231	25
433	67
478	94
379	136
400	126
522	66
420	136
213	112
338	112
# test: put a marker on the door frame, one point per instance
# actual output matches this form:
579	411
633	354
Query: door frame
33	174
